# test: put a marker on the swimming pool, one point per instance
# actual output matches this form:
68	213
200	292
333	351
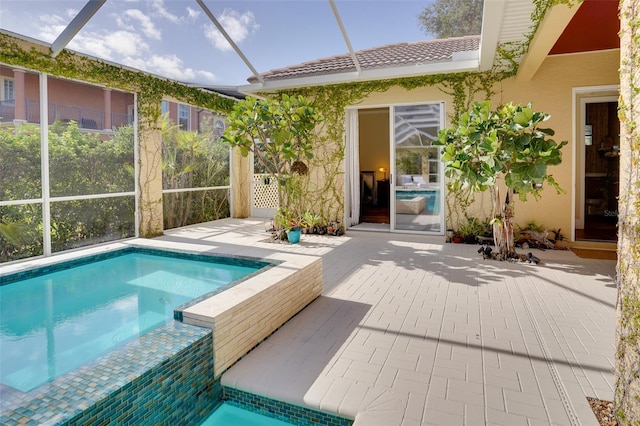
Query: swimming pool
168	376
230	415
54	320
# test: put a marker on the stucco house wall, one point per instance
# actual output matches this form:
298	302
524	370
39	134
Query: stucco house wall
551	91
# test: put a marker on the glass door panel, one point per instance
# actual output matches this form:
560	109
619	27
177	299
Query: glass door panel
417	190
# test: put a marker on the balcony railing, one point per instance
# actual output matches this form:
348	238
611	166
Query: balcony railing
7	111
87	118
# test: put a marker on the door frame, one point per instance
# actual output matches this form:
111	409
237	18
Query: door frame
349	175
581	96
394	172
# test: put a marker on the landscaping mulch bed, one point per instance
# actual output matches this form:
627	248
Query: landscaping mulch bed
603	411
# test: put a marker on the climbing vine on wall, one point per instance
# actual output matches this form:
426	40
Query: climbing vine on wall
627	362
326	197
150	89
331	101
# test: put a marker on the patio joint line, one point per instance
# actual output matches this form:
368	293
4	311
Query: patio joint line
566	402
482	355
433	364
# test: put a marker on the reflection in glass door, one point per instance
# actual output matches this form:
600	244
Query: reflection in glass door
417	190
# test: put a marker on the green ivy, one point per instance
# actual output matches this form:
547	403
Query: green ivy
508	54
627	365
150	89
330	101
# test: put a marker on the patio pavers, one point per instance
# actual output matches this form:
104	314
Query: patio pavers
413	331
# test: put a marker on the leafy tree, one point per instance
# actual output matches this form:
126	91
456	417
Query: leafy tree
452	18
506	147
627	359
279	135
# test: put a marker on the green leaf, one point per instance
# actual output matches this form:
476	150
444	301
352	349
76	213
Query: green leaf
537	170
523	117
522	141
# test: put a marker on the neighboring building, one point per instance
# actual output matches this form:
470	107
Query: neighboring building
92	107
570	72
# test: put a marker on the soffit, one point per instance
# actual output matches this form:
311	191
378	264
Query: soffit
595	26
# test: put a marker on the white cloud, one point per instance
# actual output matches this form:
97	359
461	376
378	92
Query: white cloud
169	66
130	40
238	26
160	10
91	45
126	43
109	45
71	13
206	75
193	14
131	17
51	27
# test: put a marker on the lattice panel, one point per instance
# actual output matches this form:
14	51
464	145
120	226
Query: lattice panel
265	195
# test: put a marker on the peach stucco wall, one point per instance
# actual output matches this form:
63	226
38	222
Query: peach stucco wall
550	91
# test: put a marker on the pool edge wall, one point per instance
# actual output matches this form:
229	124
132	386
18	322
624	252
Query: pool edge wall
179	390
246	314
167	372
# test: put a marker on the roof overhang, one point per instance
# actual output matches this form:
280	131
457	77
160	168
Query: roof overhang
563	29
548	33
503	21
462	62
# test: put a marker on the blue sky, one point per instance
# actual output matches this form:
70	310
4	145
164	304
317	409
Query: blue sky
175	39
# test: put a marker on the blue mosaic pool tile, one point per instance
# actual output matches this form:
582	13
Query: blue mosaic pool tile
293	414
164	377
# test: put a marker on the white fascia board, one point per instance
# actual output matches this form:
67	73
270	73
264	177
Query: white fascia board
470	65
492	20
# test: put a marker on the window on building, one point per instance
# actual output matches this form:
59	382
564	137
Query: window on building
7	93
183	116
165	107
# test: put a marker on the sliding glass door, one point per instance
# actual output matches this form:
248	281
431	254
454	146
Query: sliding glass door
417	185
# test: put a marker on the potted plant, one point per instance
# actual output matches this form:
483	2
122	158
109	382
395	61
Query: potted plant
457	237
291	223
311	221
473	230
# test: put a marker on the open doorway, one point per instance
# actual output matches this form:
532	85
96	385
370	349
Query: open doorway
374	165
598	173
394	177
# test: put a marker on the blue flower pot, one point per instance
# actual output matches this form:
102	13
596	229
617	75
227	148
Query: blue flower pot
294	236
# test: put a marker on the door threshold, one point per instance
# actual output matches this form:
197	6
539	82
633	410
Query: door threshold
375	227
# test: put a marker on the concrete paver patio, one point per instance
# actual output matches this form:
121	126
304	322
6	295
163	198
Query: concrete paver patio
413	331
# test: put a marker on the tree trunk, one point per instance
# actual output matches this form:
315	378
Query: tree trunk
627	366
503	226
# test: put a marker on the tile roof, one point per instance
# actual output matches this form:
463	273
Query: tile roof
391	55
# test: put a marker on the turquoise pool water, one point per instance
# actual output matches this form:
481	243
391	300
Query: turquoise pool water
229	415
52	323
